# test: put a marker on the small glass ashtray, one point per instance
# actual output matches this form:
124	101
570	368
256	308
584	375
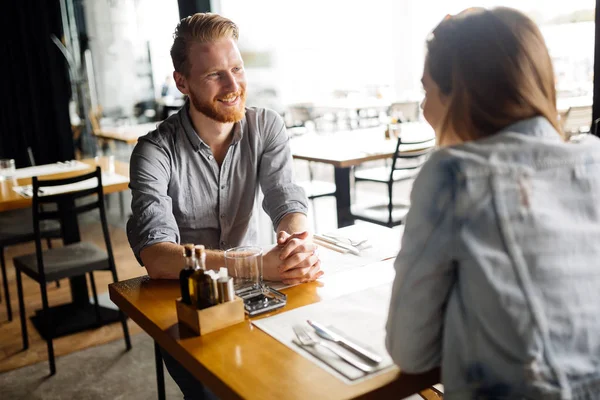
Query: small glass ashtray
262	300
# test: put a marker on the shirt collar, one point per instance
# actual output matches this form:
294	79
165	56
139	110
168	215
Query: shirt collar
536	126
194	138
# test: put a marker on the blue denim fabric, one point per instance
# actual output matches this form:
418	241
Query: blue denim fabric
498	276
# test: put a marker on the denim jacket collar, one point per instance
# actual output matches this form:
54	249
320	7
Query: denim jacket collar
536	126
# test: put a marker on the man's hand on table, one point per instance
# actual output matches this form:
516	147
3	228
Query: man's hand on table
294	260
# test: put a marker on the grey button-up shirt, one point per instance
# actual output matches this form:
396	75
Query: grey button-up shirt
181	195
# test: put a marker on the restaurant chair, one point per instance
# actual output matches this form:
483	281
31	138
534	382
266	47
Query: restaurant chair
313	188
405	166
94	117
71	260
16	227
297	115
316	189
107	146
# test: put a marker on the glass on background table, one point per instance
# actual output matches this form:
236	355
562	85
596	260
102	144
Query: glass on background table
7	168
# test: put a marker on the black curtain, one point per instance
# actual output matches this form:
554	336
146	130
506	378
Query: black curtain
35	84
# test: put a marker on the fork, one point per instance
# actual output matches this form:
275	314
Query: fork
306	339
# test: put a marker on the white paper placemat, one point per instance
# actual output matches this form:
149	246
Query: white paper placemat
384	243
107	179
382	246
359	315
49	169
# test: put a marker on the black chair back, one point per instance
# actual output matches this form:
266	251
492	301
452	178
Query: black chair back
66	209
408	155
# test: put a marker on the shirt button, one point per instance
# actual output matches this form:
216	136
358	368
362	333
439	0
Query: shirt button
223	186
222	215
222	243
210	157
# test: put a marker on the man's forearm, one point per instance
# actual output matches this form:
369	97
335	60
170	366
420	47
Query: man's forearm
165	260
293	223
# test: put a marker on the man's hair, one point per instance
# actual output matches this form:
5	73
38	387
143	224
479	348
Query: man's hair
201	28
494	67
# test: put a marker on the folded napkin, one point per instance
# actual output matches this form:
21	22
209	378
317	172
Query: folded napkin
49	169
107	179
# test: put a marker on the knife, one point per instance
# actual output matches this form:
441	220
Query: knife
328	334
328	361
345	246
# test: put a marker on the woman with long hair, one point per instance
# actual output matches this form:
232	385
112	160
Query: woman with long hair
498	279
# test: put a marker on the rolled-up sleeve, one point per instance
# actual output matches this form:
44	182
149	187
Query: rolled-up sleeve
152	219
276	174
424	271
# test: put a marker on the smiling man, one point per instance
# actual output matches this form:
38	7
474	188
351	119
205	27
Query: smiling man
195	179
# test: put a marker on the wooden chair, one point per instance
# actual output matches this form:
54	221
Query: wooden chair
71	260
105	144
297	115
405	166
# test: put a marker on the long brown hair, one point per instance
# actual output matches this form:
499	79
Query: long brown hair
494	68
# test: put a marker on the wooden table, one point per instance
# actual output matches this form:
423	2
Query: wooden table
244	362
11	200
347	149
125	133
86	317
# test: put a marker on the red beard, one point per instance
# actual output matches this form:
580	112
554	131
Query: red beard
212	110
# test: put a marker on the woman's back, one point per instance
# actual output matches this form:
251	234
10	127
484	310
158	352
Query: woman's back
516	230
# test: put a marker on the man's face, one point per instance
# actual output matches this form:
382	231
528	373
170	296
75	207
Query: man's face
216	83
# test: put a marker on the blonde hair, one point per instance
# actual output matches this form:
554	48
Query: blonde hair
202	28
495	68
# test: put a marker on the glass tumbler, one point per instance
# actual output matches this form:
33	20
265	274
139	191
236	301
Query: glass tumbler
7	168
245	265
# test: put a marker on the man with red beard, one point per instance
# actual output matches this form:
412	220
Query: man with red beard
195	178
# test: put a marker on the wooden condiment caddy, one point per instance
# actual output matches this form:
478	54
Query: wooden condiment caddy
212	318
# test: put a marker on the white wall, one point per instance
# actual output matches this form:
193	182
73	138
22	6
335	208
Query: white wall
113	36
118	33
157	20
322	45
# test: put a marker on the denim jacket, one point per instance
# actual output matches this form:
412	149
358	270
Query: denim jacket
498	276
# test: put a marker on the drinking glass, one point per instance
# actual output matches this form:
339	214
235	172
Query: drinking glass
394	129
245	265
7	168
